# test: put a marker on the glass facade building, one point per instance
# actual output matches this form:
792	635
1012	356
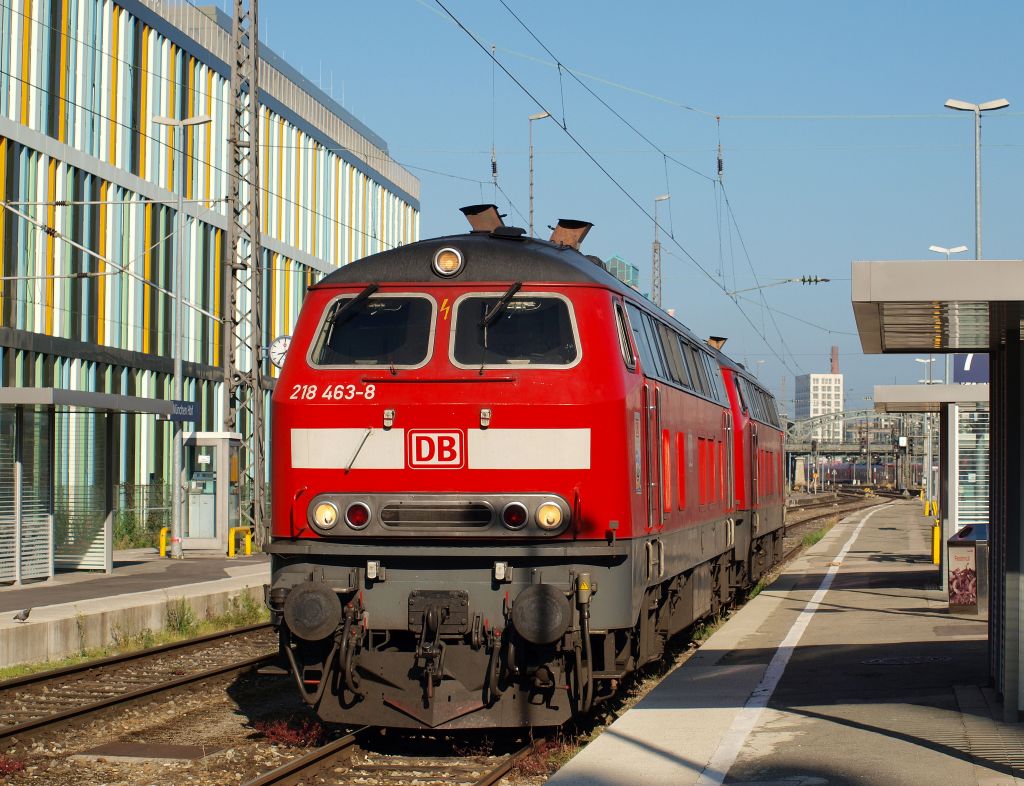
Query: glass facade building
88	230
626	273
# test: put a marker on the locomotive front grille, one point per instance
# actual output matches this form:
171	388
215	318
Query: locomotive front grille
437	515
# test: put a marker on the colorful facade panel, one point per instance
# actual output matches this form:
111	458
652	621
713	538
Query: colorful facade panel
88	231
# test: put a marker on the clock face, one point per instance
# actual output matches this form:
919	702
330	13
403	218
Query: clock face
279	349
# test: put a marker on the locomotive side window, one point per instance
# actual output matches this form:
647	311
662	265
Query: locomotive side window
658	369
677	369
742	393
382	330
700	374
534	330
624	345
715	373
755	400
762	405
636	323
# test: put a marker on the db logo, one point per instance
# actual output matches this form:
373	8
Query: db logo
435	449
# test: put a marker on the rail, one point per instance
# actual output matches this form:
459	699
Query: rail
25	702
309	767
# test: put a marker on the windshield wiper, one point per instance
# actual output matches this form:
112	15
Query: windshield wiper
499	308
358	300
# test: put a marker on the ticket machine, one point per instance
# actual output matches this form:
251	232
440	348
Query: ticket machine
211	490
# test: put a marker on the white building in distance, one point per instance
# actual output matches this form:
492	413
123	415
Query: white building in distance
821	394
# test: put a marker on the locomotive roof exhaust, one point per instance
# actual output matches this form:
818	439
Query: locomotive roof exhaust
716	342
570	232
483	218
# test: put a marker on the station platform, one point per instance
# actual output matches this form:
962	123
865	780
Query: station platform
75	611
848	669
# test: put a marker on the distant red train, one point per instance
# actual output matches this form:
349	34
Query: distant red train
501	480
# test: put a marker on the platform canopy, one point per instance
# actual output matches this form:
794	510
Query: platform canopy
929	306
969	306
927	398
61	397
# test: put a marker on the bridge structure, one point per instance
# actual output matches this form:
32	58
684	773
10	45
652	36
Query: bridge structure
859	446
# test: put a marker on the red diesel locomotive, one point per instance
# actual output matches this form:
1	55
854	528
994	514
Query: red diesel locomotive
501	479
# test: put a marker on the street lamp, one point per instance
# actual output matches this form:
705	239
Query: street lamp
538	116
656	254
179	286
928	360
966	106
947	251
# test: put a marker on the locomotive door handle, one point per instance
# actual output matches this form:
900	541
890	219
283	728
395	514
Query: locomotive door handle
652	475
654	557
730	477
660	453
755	465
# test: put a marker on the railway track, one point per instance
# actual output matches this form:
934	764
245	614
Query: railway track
45	701
347	761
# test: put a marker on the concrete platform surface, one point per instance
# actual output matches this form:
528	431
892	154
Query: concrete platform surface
848	669
135	570
76	611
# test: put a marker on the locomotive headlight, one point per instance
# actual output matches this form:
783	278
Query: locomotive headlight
447	262
325	515
548	516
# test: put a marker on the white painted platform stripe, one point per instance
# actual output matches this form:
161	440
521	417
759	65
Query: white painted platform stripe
334	448
746	719
529	448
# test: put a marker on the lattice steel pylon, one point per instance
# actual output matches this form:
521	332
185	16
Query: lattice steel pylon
243	356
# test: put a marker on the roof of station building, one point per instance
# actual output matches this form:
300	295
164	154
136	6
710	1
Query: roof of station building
928	398
935	306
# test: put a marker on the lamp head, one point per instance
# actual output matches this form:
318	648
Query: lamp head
999	103
963	106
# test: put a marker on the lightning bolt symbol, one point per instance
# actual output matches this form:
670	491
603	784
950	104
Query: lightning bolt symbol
445	308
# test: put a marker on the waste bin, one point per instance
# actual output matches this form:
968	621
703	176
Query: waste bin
968	570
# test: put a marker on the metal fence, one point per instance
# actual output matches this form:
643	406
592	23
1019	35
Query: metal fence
140	512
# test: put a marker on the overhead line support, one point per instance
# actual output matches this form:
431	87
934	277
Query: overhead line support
244	387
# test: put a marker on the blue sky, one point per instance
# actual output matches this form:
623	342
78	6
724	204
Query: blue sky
835	141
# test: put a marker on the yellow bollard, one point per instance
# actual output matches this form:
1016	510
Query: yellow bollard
231	540
936	543
163	541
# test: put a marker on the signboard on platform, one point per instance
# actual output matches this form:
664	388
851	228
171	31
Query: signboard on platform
183	411
970	367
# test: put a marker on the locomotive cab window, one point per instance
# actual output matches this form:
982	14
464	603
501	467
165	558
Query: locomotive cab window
526	330
624	345
382	330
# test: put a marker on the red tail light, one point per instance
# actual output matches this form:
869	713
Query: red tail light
514	515
357	515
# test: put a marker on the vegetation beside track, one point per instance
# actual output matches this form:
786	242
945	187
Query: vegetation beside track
814	536
180	623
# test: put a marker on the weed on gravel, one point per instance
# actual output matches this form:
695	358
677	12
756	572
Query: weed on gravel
9	766
292	732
